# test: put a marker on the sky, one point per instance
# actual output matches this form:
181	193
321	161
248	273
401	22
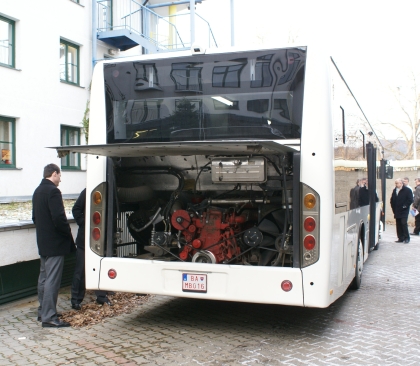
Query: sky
374	43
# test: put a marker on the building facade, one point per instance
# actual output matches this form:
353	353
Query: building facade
47	52
45	71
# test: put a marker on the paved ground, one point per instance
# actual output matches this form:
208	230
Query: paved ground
376	325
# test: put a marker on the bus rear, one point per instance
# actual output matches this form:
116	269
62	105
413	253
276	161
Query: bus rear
194	177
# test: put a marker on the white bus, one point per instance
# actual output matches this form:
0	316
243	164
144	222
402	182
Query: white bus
226	175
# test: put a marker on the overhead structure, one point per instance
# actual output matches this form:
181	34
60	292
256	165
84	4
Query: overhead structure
156	26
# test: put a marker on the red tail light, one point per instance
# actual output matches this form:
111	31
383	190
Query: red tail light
309	242
96	234
112	273
309	224
96	218
286	285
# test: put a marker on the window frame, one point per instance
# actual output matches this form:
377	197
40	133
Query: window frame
66	63
12	143
67	157
13	40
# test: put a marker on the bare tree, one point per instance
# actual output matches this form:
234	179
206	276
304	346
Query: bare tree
408	124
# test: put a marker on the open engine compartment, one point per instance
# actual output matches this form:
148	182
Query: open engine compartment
207	209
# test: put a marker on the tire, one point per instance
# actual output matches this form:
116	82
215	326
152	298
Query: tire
357	280
376	246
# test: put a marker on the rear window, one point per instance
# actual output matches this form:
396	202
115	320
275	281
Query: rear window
249	95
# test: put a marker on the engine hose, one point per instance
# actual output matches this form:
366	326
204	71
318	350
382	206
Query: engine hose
148	224
136	194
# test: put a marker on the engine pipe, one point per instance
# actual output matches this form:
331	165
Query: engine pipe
234	201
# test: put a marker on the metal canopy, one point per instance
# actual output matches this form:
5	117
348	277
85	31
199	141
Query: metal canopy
182	148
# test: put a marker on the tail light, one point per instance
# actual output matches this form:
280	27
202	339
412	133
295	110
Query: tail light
310	226
112	273
97	222
286	285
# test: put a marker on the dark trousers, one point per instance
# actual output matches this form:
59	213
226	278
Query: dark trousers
402	229
78	286
417	224
49	281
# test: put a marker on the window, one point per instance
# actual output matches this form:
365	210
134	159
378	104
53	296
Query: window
70	136
261	72
186	76
7	142
7	42
69	62
228	76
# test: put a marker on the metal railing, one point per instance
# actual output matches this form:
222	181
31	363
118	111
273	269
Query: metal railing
170	32
137	19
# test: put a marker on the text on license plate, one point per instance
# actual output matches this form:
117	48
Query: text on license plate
194	282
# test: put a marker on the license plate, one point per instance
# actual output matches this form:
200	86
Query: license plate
194	282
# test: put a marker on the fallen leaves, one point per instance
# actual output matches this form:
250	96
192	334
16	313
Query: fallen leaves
93	313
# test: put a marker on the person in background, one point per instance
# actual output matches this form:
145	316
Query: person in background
54	240
364	193
401	200
78	287
405	182
354	196
416	206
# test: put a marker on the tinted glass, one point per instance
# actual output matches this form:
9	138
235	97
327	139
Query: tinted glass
249	95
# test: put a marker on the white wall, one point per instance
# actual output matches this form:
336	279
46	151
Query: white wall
34	95
19	244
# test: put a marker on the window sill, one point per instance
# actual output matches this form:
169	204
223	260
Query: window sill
10	67
72	84
7	168
68	170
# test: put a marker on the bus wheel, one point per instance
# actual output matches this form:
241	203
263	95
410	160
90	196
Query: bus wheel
376	246
357	280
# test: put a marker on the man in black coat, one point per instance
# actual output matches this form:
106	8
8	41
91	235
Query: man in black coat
54	239
78	287
401	199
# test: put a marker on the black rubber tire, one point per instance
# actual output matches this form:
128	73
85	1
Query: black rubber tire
357	280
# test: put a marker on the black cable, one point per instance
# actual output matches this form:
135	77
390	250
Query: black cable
198	175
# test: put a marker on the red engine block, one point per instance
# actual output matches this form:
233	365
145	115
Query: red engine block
214	231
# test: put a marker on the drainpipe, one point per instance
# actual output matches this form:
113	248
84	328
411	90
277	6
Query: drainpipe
94	31
192	21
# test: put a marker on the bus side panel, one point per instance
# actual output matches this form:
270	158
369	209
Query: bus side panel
317	172
96	166
224	282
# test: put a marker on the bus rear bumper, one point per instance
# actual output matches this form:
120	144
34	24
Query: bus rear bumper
218	281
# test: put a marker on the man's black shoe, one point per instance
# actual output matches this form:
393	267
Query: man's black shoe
76	306
406	241
105	301
414	233
399	241
59	315
55	324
